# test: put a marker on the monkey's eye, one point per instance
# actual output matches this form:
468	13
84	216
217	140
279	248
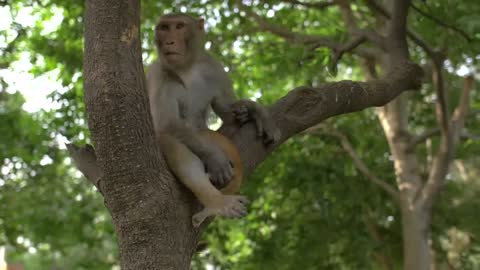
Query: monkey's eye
162	27
180	25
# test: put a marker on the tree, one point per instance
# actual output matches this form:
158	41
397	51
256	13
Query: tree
151	218
312	207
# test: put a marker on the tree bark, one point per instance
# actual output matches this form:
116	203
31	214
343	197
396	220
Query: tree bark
416	236
151	211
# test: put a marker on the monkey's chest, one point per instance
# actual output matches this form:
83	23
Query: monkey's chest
195	101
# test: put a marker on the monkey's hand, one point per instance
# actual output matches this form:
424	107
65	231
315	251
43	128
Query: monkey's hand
246	110
218	166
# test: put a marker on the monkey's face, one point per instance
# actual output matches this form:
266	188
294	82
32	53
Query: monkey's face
177	37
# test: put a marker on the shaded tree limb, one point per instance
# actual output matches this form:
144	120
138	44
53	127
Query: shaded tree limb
360	164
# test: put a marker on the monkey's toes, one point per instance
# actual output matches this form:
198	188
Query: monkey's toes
234	207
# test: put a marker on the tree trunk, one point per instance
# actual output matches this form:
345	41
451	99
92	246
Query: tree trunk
416	230
150	210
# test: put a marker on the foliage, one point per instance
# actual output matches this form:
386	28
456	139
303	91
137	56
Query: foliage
311	207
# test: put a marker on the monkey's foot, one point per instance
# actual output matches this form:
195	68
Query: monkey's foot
229	206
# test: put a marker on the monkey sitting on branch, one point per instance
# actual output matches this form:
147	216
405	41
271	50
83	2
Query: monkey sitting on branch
183	83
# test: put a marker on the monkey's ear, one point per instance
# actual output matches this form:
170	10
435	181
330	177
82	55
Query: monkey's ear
201	24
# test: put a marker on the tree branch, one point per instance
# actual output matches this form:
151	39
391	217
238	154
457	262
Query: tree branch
312	41
422	137
437	75
448	143
338	52
316	5
397	32
360	164
442	23
304	107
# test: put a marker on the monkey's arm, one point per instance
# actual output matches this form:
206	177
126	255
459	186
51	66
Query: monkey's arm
245	110
229	110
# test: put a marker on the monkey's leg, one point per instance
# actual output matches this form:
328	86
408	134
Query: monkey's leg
191	172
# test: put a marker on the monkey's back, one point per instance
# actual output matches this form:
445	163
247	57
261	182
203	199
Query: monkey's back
231	151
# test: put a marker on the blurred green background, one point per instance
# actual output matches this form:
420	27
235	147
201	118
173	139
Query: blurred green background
311	209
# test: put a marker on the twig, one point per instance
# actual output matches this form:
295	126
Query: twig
316	5
360	164
313	41
338	52
422	137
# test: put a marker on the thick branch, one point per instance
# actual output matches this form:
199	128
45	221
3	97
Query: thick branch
304	107
397	32
361	166
437	59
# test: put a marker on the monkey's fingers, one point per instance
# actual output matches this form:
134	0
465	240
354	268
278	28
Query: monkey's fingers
259	125
244	200
242	117
238	212
234	206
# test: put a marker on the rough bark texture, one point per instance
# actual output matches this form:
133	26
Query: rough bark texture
151	211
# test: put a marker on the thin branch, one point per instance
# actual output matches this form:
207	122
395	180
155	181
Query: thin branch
448	144
338	52
311	41
360	164
347	14
439	84
422	137
284	32
384	259
461	111
442	23
359	35
316	5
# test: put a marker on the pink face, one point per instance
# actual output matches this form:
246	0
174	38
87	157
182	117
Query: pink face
172	36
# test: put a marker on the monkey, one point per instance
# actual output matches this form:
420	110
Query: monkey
182	84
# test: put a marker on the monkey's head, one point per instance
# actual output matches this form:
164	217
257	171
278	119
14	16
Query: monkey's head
178	38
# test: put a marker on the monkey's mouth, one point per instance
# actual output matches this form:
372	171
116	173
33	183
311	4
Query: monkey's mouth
172	53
